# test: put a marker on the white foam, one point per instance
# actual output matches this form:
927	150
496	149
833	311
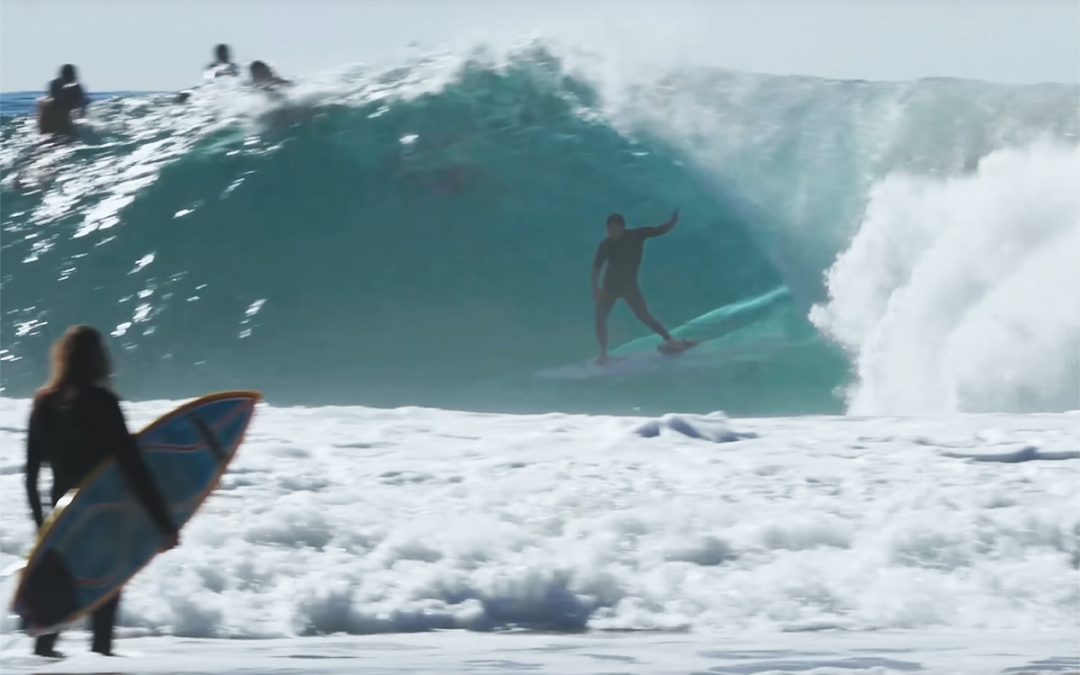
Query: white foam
713	427
961	294
820	652
371	521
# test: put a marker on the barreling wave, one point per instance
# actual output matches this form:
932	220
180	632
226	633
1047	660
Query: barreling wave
423	234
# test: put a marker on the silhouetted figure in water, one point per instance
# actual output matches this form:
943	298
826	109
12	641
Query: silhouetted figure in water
65	96
75	425
222	65
264	77
621	251
51	117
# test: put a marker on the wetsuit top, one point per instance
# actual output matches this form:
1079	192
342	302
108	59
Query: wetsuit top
69	96
623	257
76	429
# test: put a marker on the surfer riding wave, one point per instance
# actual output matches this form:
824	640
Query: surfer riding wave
621	251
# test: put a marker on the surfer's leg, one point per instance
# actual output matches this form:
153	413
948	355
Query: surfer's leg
638	306
46	645
603	309
102	621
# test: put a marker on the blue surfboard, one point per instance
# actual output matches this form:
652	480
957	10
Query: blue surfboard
99	535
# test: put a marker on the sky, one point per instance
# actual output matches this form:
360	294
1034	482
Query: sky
164	44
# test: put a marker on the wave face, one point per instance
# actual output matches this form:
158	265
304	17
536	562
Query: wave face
423	234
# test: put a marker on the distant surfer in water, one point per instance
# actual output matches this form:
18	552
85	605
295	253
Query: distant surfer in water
621	252
65	96
75	424
51	117
222	66
264	77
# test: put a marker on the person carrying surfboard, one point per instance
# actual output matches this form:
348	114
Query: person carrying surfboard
621	252
75	424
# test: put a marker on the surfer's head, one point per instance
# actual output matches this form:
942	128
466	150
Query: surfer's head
616	224
221	53
79	359
68	74
260	72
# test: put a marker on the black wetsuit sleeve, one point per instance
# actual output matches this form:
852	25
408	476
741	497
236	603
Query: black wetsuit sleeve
34	459
114	433
601	255
81	99
650	232
72	97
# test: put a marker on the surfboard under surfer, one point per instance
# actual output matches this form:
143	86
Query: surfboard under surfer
621	253
75	424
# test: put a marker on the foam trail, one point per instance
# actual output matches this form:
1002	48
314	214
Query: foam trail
961	294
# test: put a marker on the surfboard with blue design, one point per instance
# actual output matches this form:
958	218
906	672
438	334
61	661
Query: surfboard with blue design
99	535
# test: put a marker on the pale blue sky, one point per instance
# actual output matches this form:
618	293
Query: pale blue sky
163	44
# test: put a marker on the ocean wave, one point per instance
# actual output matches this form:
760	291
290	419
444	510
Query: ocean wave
422	234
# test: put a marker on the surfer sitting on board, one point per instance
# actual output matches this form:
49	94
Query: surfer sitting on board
75	424
621	251
222	66
65	96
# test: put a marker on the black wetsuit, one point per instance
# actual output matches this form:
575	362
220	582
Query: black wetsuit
623	258
54	111
74	430
71	95
52	119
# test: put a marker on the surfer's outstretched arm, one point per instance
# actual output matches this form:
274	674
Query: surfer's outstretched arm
33	466
113	431
663	229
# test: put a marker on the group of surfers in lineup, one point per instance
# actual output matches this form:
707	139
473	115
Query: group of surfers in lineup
76	421
66	97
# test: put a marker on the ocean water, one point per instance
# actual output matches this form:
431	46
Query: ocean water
422	233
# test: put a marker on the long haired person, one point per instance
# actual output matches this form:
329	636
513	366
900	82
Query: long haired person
76	424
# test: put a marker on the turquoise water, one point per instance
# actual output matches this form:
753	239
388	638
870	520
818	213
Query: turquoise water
422	235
